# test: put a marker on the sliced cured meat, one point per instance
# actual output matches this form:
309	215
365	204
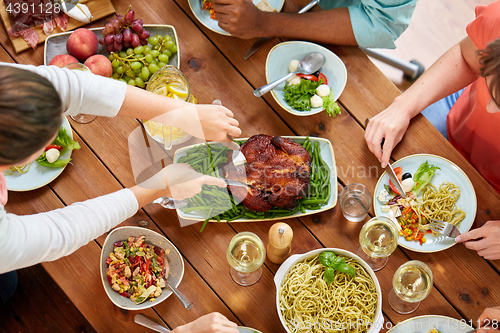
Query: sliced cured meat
31	37
15	30
62	21
48	27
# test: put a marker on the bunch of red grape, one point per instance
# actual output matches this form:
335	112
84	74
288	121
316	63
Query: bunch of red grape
124	32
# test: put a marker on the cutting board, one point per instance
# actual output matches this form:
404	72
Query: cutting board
98	8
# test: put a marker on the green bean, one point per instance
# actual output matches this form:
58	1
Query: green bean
200	208
312	201
234	218
204	225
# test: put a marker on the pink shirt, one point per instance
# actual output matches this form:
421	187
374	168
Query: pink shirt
3	190
472	130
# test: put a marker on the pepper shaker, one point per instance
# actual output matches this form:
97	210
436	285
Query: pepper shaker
280	240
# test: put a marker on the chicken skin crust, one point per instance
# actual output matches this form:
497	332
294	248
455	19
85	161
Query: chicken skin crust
277	170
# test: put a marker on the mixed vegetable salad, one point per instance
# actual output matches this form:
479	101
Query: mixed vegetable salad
405	209
137	270
305	91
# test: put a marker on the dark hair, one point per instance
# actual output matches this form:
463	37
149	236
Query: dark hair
489	58
30	114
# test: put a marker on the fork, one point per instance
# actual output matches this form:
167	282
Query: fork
170	203
444	228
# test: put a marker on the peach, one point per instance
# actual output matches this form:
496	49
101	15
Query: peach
82	44
62	60
99	65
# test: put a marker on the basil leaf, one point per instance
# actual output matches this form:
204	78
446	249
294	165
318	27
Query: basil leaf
329	275
347	269
326	258
338	261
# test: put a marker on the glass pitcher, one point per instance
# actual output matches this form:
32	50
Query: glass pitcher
169	82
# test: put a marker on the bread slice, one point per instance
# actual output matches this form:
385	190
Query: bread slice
264	6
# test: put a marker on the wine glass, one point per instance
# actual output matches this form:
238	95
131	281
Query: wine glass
80	117
246	254
378	238
411	284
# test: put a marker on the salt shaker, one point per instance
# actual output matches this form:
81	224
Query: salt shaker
280	239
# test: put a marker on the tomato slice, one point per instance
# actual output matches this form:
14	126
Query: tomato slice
309	77
399	173
322	76
393	188
53	147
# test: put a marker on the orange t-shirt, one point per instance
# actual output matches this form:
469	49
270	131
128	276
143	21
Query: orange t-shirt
472	130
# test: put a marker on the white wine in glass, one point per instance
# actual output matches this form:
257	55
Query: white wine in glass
81	117
411	284
246	254
377	239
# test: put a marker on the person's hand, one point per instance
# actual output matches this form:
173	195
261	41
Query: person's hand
204	121
485	240
211	323
241	18
181	181
491	318
389	125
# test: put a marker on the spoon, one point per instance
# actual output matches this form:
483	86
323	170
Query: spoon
309	64
183	299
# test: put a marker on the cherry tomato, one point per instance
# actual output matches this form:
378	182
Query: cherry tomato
309	77
322	76
53	147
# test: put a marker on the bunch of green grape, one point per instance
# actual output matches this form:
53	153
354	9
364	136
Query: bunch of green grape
136	65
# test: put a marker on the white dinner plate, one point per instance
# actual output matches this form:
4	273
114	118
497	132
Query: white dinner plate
279	58
449	172
242	329
327	155
38	175
204	16
423	324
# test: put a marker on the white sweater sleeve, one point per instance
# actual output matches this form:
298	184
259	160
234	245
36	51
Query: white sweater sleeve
31	239
82	92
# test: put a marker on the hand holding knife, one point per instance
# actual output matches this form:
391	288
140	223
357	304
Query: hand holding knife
261	41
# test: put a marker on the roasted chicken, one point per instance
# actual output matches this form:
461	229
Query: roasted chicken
277	172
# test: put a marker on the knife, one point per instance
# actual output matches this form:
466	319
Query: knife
263	40
395	180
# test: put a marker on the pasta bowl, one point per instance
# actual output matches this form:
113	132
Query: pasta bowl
373	326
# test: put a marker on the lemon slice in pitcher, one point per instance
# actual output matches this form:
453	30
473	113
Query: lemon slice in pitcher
178	90
162	90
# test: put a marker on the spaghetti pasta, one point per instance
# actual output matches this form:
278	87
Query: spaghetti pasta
22	169
439	204
309	304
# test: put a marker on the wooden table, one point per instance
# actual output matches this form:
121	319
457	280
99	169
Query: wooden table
464	283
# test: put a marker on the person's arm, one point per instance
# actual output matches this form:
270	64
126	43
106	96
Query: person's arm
83	92
368	24
491	318
31	239
457	68
211	323
485	240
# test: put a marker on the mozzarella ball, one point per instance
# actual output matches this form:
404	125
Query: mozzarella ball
294	64
323	90
294	80
316	101
407	184
52	155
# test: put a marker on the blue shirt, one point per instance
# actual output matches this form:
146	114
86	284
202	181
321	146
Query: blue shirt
376	23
